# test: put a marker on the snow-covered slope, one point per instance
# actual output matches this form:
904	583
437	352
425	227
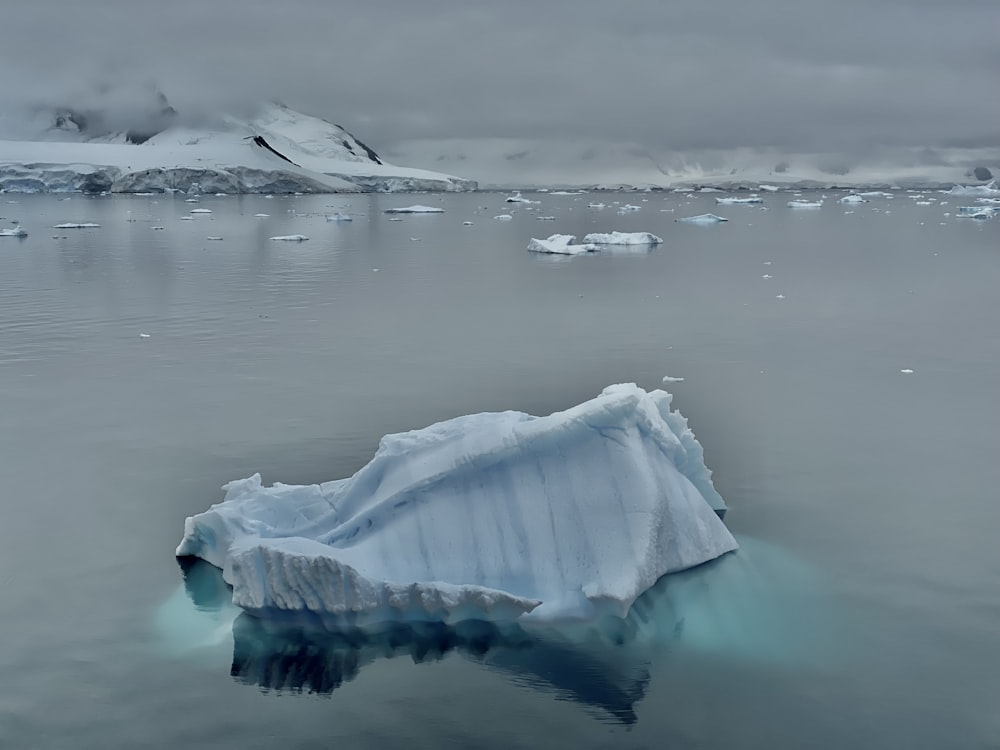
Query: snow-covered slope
488	516
277	150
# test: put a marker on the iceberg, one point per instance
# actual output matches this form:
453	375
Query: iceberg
732	201
853	198
518	198
703	219
13	232
623	238
560	244
975	191
805	204
339	217
290	238
415	210
495	517
76	225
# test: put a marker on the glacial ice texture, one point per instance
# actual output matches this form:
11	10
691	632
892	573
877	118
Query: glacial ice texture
494	516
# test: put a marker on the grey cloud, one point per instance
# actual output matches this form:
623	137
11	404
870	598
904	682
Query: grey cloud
851	74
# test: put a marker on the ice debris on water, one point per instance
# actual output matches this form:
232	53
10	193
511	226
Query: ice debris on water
670	379
290	238
518	198
339	217
503	217
906	371
805	204
853	198
75	225
430	531
200	211
14	232
734	201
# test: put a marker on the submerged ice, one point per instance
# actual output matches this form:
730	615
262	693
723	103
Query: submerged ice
495	516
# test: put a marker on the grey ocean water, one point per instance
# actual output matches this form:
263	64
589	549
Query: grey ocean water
861	612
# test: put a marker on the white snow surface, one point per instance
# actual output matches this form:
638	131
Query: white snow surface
222	157
623	238
560	244
494	516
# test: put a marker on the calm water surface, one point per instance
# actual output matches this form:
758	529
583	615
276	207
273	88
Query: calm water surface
861	611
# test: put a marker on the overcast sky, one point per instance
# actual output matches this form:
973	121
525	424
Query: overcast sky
679	74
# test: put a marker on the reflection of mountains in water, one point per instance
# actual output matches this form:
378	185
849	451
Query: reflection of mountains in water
299	659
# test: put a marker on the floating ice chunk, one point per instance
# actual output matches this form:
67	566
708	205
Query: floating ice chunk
560	244
623	238
767	276
595	205
261	216
853	198
74	225
503	217
487	516
628	208
989	201
518	198
290	238
566	192
703	219
907	371
144	335
13	232
545	218
923	203
669	379
339	217
415	210
710	190
769	188
779	296
975	191
976	212
214	239
739	201
200	211
805	204
466	223
875	194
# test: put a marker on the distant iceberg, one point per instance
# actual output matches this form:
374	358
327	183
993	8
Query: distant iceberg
805	204
494	516
733	201
623	238
290	238
560	244
975	191
13	232
703	219
415	210
853	198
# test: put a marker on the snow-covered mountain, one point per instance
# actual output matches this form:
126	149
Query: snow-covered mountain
275	150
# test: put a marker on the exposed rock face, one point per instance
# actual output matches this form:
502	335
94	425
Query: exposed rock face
982	174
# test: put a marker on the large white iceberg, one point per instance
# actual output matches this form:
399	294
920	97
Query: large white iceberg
974	191
623	238
494	516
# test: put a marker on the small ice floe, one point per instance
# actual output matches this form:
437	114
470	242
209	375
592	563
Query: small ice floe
191	200
560	244
187	218
13	232
414	239
976	212
565	192
518	198
805	204
710	190
415	210
779	296
466	223
627	208
596	205
875	194
200	211
923	203
144	335
670	379
853	198
622	238
76	225
545	218
503	217
261	216
769	188
339	217
214	239
767	276
906	371
157	229
739	201
395	218
290	238
703	219
988	201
